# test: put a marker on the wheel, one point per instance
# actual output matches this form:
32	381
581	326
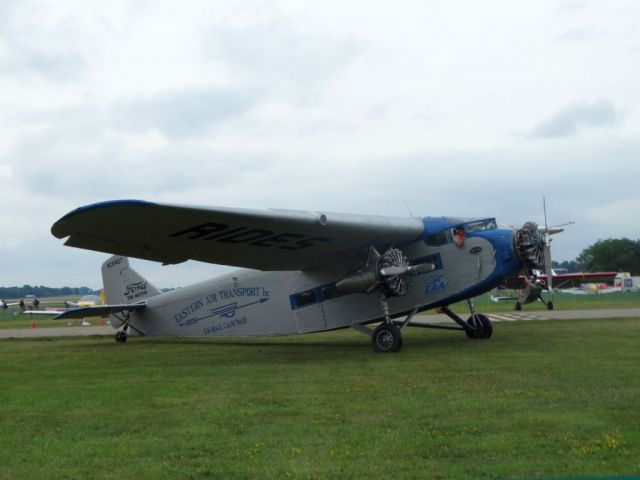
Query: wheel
518	306
482	325
386	338
121	337
549	305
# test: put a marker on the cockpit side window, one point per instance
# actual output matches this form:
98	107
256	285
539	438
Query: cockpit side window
439	238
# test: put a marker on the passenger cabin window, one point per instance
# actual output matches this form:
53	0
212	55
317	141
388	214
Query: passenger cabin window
305	298
481	225
330	291
439	238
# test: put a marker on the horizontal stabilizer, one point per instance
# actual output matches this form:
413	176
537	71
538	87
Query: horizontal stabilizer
100	310
42	312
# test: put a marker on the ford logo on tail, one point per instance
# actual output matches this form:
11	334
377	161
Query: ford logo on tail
134	288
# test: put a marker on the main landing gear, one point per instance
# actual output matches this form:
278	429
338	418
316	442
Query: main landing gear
387	337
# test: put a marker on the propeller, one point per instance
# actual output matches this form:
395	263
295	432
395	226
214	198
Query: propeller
547	231
392	268
547	249
387	272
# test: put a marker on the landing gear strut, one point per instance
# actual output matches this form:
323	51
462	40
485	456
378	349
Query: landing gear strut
386	338
476	326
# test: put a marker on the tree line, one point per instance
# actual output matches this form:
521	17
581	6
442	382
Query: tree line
42	291
611	255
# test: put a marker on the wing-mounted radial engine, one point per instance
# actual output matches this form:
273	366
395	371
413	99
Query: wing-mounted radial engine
387	276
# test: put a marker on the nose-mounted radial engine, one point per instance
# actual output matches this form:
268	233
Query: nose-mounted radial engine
533	250
530	246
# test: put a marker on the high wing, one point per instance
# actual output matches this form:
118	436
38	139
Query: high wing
565	280
100	310
263	239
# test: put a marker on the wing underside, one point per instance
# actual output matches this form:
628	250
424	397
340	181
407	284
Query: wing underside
253	238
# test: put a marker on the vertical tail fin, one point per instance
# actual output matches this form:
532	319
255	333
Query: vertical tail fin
122	284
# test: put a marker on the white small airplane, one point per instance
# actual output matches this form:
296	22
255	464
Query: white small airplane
302	271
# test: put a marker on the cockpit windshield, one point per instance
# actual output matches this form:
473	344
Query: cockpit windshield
448	235
481	225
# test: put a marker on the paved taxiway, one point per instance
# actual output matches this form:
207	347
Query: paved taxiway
438	318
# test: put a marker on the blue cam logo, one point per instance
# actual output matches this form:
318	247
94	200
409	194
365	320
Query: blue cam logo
436	284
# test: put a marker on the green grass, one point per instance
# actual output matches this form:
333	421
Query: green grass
539	399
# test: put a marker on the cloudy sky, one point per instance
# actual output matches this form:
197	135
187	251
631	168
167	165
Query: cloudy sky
429	107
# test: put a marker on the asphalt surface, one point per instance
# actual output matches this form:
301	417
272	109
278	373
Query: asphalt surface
75	331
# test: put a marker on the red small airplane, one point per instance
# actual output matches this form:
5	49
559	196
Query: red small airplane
529	288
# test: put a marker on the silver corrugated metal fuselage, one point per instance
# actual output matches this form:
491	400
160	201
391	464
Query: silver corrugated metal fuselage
248	303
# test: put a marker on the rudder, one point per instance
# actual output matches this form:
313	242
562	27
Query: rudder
122	284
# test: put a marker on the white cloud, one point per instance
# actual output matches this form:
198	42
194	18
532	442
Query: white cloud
6	172
570	118
324	106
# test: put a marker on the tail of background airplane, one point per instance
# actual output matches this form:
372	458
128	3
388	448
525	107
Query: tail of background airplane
122	284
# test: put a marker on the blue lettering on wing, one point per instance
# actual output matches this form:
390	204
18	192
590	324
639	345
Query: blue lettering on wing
436	284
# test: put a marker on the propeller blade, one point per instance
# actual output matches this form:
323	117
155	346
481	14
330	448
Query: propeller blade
547	267
393	270
423	267
547	248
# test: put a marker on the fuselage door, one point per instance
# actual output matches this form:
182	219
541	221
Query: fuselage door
307	307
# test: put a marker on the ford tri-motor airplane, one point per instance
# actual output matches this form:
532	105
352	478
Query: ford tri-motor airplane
302	271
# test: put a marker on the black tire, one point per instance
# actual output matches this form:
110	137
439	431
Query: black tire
518	306
549	305
121	337
482	326
386	339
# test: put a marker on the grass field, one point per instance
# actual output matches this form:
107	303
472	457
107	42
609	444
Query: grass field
539	399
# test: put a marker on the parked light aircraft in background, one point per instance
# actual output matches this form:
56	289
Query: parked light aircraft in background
30	301
302	271
530	289
85	301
